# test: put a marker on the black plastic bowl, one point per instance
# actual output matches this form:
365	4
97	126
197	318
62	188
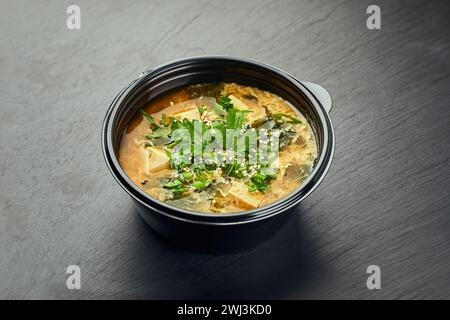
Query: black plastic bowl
218	232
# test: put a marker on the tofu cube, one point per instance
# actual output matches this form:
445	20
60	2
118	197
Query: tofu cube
155	159
187	109
192	114
242	197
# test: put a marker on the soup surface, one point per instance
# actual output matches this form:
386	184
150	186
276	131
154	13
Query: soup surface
218	148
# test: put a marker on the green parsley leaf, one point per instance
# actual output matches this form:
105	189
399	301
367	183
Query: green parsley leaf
225	102
148	117
235	118
186	176
260	182
173	184
201	184
201	109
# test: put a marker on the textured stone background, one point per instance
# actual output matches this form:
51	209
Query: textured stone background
385	200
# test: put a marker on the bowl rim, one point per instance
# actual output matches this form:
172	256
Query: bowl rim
323	164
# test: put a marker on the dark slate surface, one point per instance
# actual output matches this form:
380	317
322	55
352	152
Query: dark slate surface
385	200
